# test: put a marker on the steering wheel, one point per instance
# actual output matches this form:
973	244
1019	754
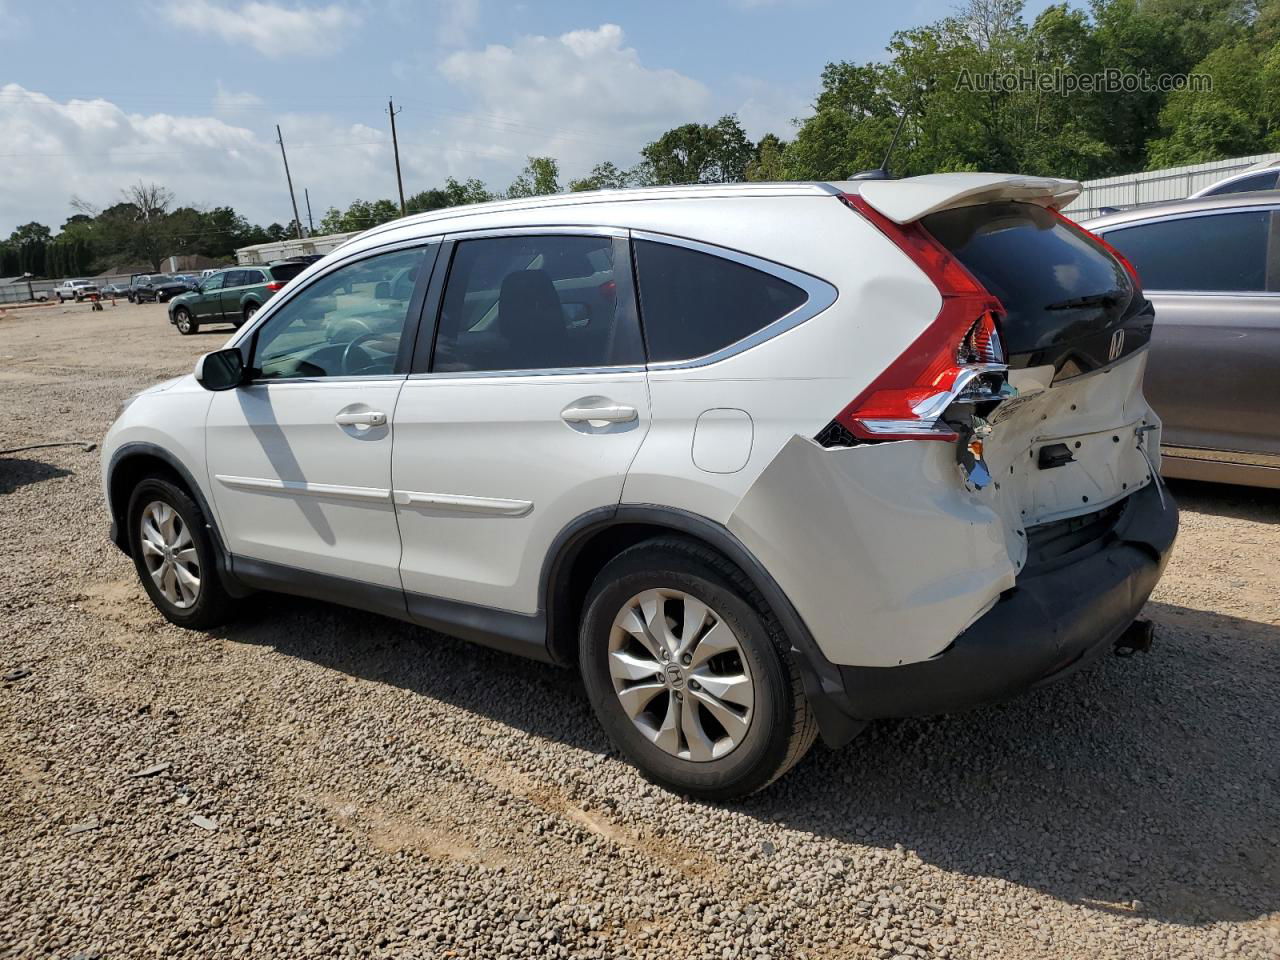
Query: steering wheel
347	355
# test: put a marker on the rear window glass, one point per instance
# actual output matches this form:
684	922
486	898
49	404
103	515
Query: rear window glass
285	272
1039	268
1224	251
694	303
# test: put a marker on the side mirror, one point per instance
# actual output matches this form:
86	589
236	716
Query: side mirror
221	370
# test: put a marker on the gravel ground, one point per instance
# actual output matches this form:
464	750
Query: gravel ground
318	782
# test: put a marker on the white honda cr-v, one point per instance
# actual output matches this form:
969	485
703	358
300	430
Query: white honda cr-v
764	461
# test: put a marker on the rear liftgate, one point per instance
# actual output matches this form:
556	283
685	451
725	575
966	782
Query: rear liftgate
1028	383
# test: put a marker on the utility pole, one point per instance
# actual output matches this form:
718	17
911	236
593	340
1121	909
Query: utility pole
297	221
395	146
311	227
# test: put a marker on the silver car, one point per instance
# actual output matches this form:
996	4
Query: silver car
1211	266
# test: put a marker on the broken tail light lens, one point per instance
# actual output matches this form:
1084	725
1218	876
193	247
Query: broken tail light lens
958	356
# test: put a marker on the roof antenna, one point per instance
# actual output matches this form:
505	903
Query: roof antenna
882	172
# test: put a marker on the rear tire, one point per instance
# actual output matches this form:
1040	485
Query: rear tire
175	556
185	323
750	722
249	310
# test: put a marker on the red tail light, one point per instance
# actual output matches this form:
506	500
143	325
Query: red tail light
275	285
1124	261
907	400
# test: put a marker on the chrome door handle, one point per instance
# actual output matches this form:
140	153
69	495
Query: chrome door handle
371	419
608	413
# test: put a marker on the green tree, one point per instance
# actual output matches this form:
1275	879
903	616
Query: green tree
769	163
700	153
603	176
541	176
452	194
30	233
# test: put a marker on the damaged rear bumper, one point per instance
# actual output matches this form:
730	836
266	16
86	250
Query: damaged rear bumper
1058	616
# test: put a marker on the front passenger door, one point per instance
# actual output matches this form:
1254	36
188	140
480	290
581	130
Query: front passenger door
208	305
300	457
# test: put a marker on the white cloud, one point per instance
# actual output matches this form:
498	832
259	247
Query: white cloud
50	150
230	102
272	29
582	97
457	19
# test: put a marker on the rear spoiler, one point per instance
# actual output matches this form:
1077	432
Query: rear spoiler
903	201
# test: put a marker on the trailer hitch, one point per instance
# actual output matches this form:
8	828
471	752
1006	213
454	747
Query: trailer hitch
1137	638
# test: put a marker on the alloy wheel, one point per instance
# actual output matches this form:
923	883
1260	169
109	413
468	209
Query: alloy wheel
170	554
679	672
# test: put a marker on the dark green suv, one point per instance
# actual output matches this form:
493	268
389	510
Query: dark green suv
230	296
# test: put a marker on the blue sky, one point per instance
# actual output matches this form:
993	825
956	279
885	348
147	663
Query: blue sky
187	92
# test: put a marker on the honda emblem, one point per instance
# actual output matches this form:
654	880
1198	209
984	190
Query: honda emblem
1117	346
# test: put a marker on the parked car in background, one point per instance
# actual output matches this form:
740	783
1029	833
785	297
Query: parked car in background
116	290
760	460
230	296
1211	268
75	290
157	287
1260	176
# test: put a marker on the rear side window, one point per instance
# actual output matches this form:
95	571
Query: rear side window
693	303
1218	252
285	272
1055	283
1259	181
536	303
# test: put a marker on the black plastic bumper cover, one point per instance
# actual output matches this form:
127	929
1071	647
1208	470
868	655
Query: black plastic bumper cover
1052	622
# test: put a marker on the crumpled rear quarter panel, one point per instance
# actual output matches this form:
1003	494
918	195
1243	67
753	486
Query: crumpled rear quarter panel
881	550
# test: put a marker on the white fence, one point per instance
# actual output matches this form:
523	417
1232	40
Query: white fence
1156	186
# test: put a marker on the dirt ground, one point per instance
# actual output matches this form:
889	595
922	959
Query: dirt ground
316	782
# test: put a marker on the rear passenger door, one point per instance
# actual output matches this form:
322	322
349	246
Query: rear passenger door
520	414
233	290
1211	374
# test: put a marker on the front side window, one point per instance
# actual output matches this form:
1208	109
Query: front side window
535	303
1216	252
213	283
347	323
693	304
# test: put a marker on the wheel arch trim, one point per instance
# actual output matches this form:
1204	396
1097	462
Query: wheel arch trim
119	535
822	682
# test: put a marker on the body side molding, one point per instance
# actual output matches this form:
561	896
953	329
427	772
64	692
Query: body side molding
329	490
494	506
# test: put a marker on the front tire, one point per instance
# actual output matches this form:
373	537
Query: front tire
185	323
687	670
175	557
